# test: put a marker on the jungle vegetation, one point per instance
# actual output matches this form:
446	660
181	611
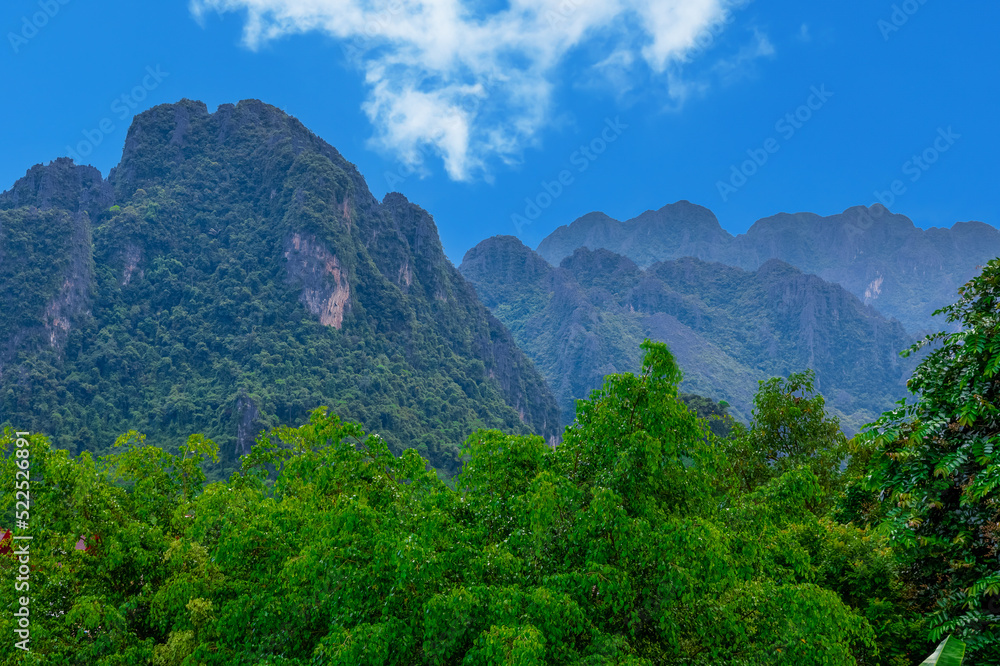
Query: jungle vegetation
643	538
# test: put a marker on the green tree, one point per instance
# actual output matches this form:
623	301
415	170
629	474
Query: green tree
935	466
787	479
628	544
790	428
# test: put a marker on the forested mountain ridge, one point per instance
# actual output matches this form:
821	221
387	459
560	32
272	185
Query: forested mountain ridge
727	327
233	273
880	257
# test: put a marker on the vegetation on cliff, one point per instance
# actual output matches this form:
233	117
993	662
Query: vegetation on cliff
641	539
905	272
729	328
233	273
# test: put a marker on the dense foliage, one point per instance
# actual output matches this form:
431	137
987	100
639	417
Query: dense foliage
936	469
641	539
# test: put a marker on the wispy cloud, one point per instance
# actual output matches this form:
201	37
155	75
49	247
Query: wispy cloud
475	86
737	65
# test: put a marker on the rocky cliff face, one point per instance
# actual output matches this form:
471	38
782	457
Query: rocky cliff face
62	186
728	328
883	259
232	273
46	258
450	301
326	291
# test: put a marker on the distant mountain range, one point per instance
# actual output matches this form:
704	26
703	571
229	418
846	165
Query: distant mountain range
903	271
233	273
729	328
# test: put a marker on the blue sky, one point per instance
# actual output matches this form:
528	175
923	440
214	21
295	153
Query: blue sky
477	109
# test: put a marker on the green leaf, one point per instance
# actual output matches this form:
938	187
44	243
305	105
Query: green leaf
949	653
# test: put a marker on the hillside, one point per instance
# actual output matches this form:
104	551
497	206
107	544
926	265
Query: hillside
232	274
728	328
905	272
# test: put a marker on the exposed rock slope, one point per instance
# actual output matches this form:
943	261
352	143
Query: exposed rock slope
232	273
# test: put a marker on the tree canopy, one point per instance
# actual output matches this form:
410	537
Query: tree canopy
633	542
643	538
936	472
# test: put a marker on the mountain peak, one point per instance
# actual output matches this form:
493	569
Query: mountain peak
601	261
591	220
682	210
247	276
511	266
506	257
774	266
881	257
60	184
675	230
395	199
251	137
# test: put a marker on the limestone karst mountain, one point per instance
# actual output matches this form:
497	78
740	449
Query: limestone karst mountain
232	273
729	328
903	271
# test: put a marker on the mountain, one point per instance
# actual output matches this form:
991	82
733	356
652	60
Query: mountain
728	328
882	258
233	272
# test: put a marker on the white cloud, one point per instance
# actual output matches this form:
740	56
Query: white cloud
473	86
680	89
758	47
